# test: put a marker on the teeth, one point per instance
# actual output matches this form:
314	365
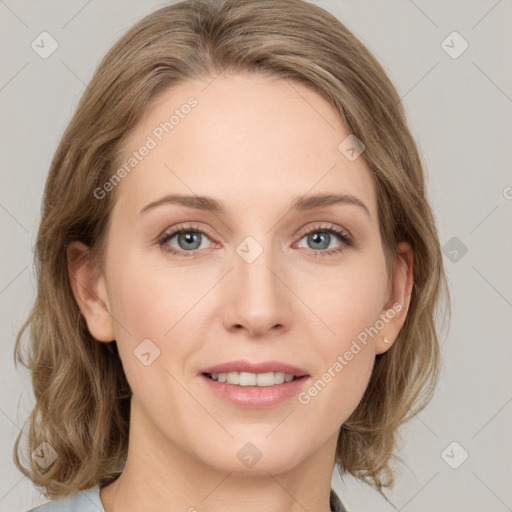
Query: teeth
252	379
244	379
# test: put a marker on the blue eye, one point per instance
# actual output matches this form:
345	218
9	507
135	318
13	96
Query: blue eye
191	240
188	239
320	239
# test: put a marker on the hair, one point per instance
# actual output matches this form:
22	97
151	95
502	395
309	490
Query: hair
82	397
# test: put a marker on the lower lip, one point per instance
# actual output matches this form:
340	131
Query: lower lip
255	396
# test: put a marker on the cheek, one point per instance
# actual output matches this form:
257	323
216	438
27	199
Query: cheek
342	378
150	305
152	301
151	298
349	299
349	304
140	313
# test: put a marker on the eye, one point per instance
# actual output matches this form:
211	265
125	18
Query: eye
319	240
188	239
191	239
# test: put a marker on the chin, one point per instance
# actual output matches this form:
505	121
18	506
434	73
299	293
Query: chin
261	468
256	458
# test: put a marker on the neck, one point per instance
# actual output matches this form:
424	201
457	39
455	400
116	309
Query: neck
160	476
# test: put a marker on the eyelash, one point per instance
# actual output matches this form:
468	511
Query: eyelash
326	228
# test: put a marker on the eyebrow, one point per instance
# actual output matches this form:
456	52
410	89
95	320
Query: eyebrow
300	204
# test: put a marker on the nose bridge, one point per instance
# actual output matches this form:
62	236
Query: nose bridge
259	300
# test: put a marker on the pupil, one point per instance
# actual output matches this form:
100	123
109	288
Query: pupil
190	238
315	239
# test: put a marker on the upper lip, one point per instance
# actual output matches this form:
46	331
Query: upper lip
263	367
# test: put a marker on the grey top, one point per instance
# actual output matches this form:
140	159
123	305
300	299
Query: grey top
89	501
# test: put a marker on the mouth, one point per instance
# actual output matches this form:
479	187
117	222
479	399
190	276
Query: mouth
254	390
254	385
253	379
245	373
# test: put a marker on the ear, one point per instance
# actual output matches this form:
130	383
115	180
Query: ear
89	289
395	310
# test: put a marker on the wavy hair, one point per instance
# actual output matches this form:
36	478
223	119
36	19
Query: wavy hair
82	397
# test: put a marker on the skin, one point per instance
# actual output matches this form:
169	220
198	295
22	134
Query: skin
255	144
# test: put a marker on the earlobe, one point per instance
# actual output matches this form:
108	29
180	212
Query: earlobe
395	309
90	292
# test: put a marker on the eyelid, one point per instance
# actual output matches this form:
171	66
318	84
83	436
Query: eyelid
303	231
186	226
326	226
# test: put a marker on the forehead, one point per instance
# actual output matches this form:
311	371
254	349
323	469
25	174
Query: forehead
244	139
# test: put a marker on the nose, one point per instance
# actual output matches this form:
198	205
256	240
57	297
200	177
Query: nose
257	300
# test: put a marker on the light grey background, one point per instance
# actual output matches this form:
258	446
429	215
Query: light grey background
460	113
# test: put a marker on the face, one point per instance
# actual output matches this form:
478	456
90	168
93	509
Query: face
263	270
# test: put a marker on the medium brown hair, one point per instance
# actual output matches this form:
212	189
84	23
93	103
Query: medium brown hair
82	397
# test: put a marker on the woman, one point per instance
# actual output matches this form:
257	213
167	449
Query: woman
238	270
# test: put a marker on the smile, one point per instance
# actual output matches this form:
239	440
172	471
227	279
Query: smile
252	379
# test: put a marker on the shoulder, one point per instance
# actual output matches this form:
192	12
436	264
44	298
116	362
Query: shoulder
335	503
83	501
89	501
